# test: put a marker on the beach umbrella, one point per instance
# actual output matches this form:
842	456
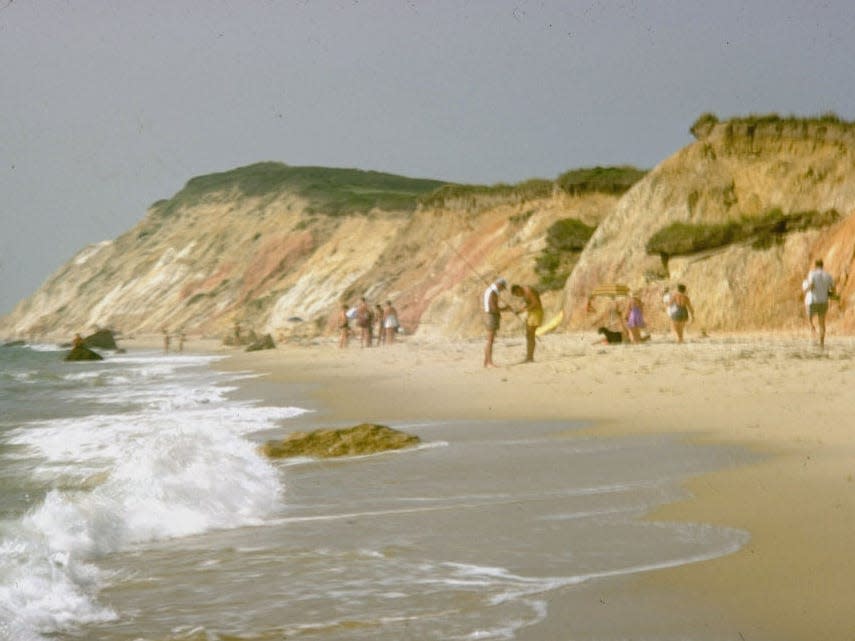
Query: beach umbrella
611	290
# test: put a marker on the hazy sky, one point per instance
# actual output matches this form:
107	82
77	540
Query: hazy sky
108	106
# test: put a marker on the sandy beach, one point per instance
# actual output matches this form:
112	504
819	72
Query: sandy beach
779	396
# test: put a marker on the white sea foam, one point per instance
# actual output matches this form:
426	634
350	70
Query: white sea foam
178	463
46	347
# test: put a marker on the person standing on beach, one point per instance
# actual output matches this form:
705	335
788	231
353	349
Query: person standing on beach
680	310
390	322
818	286
533	318
343	326
635	320
363	321
379	317
492	316
165	340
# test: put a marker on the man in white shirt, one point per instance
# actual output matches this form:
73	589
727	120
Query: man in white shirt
492	316
818	286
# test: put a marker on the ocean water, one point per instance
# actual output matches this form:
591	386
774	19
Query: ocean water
134	506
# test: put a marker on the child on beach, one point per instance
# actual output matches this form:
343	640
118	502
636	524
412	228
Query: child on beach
635	320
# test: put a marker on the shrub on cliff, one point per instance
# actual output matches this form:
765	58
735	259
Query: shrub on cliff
679	239
565	239
703	125
605	180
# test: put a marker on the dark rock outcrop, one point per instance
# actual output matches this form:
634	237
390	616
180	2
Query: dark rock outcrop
366	438
82	353
265	342
102	339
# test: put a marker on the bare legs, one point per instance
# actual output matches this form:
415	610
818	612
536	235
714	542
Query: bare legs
530	342
678	329
488	349
821	322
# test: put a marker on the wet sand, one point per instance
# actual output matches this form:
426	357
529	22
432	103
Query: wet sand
777	395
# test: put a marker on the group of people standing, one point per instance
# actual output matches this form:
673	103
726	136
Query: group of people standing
493	308
818	289
378	323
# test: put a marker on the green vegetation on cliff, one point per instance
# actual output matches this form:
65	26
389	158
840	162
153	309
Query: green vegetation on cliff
705	123
329	191
603	180
526	190
679	239
565	239
577	182
335	192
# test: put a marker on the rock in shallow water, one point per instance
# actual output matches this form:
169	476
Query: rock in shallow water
81	353
366	438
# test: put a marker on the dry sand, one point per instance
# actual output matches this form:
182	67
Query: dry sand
779	394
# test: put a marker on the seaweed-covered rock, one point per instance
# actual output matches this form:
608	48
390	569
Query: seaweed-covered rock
82	353
103	339
366	438
266	342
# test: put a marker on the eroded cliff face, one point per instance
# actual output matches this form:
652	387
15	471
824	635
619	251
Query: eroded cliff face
277	263
737	172
275	266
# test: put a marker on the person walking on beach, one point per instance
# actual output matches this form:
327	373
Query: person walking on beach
818	287
635	320
680	311
390	322
492	316
533	318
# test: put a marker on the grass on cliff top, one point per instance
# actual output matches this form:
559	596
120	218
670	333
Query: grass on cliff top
329	191
705	122
334	192
680	239
606	180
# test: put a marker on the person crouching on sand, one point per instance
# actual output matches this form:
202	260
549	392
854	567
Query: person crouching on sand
492	316
533	317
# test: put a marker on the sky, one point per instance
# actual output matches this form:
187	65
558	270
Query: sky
108	107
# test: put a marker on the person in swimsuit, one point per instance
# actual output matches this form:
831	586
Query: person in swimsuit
635	320
533	318
680	311
363	321
379	318
343	326
390	322
492	316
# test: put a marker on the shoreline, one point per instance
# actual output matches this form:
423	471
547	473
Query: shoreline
776	394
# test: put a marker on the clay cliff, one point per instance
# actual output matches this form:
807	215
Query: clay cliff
738	216
278	249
